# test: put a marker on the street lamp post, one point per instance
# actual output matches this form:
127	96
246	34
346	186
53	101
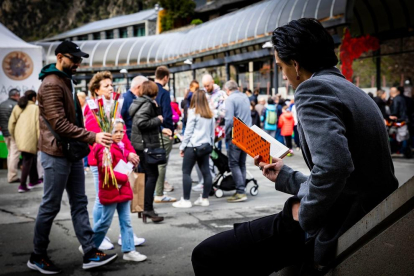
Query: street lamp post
125	72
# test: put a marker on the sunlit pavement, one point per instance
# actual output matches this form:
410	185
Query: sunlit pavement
168	244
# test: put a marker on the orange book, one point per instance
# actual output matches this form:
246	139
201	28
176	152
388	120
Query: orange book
255	141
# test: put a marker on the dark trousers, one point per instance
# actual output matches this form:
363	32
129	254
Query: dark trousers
295	130
29	164
190	157
151	176
258	247
60	175
288	141
237	164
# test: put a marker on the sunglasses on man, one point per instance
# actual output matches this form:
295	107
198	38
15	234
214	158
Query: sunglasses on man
74	59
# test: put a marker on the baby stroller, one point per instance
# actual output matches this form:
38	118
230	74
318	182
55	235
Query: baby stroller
399	138
223	181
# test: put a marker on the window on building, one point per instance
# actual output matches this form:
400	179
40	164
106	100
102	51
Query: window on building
96	36
83	37
123	32
139	30
255	75
109	34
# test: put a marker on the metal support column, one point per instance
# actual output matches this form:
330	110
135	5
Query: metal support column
378	68
275	77
227	68
174	84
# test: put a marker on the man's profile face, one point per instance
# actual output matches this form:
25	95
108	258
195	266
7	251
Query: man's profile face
209	86
288	71
69	63
393	92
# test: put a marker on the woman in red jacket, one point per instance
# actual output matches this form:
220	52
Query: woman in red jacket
116	197
286	124
101	86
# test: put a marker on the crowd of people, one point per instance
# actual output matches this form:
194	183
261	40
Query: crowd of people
149	120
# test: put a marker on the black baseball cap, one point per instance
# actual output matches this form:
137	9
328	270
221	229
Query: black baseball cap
68	47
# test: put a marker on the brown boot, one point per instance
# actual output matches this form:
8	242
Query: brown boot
152	215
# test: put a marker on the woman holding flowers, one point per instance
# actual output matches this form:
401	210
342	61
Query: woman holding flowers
102	90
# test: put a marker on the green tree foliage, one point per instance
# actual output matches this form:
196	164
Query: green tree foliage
33	20
196	21
176	10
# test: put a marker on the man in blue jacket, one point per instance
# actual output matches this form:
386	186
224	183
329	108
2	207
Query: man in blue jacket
162	76
129	97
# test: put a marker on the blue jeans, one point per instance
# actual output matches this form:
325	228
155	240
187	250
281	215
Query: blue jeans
237	164
61	174
279	136
97	207
102	225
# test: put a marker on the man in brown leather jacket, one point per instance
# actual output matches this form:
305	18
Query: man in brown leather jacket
59	105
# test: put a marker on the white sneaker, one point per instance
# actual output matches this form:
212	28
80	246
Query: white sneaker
182	204
106	244
202	201
134	256
198	188
137	241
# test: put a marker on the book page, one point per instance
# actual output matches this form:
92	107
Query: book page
277	149
124	168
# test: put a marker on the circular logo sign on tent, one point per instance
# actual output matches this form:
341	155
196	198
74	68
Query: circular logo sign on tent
17	65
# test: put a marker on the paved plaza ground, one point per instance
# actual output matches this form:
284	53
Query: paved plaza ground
168	244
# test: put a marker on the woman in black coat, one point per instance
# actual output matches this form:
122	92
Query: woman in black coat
145	134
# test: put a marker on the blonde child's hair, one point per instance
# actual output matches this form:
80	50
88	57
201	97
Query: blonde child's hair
118	121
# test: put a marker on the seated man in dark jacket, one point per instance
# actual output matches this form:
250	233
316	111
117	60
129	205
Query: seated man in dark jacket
380	101
398	106
350	173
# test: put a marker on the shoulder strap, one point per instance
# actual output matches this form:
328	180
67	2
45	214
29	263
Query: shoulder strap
51	129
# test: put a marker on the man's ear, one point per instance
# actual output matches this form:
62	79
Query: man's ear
296	65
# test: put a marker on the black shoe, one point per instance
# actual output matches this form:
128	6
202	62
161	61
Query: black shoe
96	258
43	264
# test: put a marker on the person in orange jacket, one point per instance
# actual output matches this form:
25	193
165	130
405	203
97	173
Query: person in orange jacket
286	124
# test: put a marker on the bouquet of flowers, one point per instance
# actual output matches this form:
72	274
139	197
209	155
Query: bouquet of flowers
106	118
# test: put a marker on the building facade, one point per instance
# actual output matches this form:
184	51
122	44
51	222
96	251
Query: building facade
231	46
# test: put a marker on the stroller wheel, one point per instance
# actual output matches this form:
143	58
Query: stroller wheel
219	193
254	191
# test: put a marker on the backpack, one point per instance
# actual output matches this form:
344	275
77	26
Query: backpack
271	117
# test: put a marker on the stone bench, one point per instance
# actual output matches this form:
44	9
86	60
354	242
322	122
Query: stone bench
381	243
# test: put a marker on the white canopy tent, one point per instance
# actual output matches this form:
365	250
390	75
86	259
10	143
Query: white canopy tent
21	63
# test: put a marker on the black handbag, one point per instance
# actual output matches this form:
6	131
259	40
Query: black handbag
156	156
203	149
72	149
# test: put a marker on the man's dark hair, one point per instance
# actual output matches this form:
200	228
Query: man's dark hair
248	90
161	72
306	41
270	101
371	95
401	89
13	92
